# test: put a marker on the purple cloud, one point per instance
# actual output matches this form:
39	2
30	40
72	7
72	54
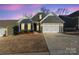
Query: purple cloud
36	5
11	7
73	8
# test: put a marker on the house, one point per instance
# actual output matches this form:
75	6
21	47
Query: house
41	22
75	15
48	23
71	21
6	27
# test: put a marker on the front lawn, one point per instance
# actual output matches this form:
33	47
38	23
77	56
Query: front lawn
23	43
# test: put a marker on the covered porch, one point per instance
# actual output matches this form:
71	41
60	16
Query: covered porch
29	27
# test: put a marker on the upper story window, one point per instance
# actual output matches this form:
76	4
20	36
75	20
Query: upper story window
40	16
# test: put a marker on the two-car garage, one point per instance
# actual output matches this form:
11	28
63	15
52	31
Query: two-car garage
52	28
52	24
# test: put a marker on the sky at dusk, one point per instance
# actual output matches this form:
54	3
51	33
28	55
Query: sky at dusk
16	11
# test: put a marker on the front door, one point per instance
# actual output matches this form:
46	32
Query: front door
35	26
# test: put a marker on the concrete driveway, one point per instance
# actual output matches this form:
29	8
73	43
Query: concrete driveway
62	44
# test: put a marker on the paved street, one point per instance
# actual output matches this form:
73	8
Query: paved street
62	44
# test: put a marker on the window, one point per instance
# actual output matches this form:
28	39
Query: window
22	26
29	26
40	16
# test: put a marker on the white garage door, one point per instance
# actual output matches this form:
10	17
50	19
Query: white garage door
2	31
51	28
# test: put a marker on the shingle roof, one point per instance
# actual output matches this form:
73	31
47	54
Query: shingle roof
52	18
49	19
26	21
69	21
74	14
7	23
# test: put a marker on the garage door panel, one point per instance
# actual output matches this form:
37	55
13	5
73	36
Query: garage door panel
51	28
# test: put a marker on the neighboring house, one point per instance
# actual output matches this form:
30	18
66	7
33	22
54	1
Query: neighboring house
6	27
75	15
71	21
41	22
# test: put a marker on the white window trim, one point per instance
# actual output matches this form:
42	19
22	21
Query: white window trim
29	24
40	16
22	26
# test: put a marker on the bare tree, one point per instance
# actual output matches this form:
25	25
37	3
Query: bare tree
62	11
45	10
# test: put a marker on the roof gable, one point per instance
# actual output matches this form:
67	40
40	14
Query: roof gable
25	17
35	18
52	18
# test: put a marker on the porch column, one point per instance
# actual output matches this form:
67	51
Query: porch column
32	27
38	27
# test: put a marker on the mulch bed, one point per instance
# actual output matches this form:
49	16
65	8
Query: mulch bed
23	43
